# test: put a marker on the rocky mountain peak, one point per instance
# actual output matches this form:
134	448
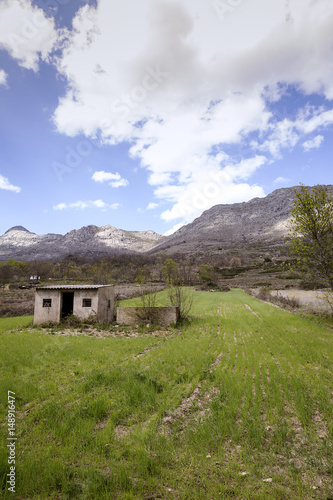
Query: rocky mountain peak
260	220
18	228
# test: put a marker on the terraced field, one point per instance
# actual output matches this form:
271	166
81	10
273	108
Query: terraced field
236	405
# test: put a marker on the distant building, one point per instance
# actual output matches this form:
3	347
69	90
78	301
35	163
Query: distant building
53	303
35	277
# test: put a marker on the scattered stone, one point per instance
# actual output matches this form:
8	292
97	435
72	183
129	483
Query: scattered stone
269	480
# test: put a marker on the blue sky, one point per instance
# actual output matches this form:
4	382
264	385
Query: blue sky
142	115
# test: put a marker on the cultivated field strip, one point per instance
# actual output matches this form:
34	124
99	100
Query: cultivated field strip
241	395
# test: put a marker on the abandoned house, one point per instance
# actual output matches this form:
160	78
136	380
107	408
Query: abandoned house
53	303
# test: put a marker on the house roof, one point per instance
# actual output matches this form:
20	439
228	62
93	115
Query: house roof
72	287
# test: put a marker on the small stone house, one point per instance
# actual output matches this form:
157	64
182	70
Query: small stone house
53	303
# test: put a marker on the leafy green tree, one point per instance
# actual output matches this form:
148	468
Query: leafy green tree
206	272
312	233
170	271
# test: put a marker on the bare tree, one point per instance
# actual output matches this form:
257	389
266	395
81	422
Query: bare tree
147	311
181	297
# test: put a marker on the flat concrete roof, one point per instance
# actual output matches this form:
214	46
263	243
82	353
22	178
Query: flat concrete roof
71	287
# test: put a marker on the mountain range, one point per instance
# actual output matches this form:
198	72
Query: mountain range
261	220
89	241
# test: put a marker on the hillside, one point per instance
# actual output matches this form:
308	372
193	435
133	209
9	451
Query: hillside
261	220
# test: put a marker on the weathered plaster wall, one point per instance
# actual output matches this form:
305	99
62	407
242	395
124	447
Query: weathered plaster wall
46	314
100	298
106	313
85	312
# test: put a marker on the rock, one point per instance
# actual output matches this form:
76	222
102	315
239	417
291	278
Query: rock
20	243
258	220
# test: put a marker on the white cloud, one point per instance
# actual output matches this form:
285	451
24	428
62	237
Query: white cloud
314	143
173	229
116	179
3	77
286	133
152	206
81	205
6	185
209	187
186	86
26	32
281	180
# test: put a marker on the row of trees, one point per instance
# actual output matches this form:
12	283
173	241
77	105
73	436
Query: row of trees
121	268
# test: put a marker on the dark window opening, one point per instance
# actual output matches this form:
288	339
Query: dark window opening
109	303
67	304
47	302
86	302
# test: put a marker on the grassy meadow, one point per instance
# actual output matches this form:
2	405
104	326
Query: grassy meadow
14	323
236	404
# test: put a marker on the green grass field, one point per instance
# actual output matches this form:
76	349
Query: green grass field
13	323
236	405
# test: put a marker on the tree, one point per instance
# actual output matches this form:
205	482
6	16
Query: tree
170	271
148	312
312	233
206	272
181	297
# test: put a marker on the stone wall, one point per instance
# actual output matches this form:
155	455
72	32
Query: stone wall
158	315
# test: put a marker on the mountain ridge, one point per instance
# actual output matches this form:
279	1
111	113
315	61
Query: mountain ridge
17	242
263	220
258	221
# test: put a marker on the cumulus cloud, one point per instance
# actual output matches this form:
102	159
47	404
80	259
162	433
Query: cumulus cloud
26	32
173	229
3	77
286	133
281	180
152	206
81	205
188	85
114	180
209	187
6	185
314	143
